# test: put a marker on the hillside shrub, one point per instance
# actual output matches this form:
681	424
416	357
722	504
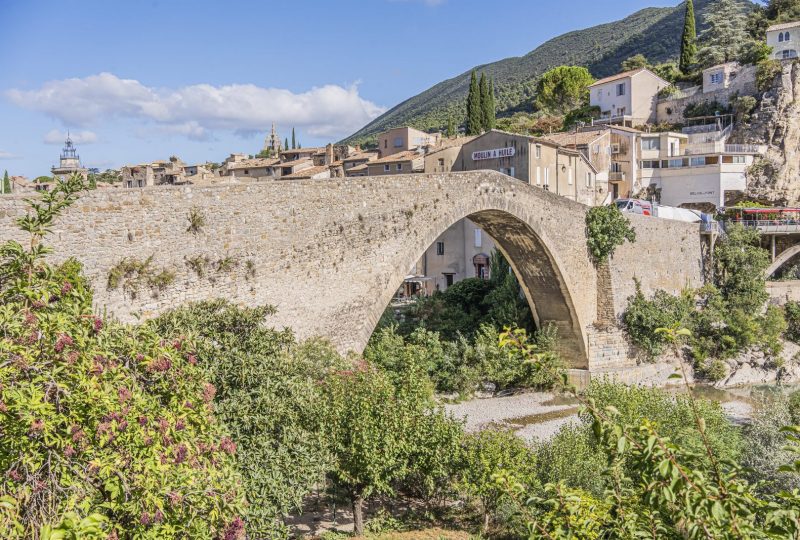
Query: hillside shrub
106	429
766	72
606	229
266	391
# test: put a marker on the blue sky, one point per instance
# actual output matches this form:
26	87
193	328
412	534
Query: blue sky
141	80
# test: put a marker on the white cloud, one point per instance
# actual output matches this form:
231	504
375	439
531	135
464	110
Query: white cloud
194	111
55	136
7	155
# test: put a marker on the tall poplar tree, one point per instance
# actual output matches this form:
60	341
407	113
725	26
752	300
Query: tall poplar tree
491	107
286	143
485	103
474	113
689	40
294	144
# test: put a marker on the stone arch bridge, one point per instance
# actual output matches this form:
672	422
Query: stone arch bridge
329	254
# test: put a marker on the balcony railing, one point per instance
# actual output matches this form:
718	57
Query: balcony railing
769	226
744	148
616	177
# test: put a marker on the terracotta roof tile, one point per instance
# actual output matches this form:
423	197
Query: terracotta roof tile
622	75
306	173
407	155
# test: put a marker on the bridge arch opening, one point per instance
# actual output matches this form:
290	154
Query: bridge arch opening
531	260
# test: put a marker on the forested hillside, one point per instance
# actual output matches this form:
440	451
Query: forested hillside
653	32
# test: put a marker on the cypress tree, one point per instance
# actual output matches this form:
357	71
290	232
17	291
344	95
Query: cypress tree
474	114
689	40
294	145
491	107
451	126
286	143
6	183
485	103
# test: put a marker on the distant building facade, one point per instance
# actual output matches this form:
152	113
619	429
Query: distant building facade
629	98
784	40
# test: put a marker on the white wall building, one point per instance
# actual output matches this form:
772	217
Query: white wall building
784	40
628	98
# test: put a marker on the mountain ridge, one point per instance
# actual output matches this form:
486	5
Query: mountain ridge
652	31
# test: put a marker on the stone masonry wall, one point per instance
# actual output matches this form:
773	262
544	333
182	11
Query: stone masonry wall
329	254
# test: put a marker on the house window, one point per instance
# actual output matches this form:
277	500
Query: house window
246	171
538	175
652	143
588	179
440	248
386	168
478	238
398	142
546	177
738	159
716	78
615	149
780	37
538	151
441	162
399	166
507	170
697	161
648	164
788	54
385	143
786	37
621	89
448	279
676	163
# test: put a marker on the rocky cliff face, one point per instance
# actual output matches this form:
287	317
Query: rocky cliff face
776	122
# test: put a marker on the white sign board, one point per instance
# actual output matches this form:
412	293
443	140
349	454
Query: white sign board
493	154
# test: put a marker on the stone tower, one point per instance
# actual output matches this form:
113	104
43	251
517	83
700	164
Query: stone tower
273	142
69	162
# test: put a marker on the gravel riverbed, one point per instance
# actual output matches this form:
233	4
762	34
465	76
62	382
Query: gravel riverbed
537	416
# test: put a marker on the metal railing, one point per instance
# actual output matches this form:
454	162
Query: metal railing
743	148
616	177
769	226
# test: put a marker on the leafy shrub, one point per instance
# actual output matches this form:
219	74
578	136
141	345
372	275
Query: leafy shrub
766	72
104	426
669	413
606	229
705	108
643	317
266	392
196	220
572	457
487	453
792	313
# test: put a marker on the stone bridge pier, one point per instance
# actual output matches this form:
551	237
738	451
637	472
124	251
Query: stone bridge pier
329	254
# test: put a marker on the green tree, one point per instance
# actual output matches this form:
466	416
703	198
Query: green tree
563	89
487	453
451	127
725	33
487	104
688	39
294	143
739	266
286	143
105	426
637	61
373	429
474	112
6	183
492	106
267	393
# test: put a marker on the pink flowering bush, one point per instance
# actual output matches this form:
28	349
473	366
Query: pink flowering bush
106	430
